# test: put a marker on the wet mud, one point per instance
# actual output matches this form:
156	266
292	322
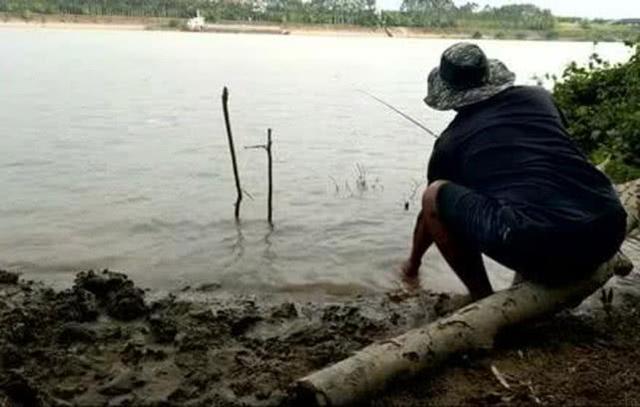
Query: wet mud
105	342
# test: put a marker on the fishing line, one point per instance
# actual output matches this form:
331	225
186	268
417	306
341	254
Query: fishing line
398	111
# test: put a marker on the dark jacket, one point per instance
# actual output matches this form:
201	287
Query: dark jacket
515	148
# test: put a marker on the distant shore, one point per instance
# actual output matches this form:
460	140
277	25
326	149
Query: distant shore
122	23
72	22
117	23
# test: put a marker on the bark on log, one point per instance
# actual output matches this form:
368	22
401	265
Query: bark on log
629	193
473	327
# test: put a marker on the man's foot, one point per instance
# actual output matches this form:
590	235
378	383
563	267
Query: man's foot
410	275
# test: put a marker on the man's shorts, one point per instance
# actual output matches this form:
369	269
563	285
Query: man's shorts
551	255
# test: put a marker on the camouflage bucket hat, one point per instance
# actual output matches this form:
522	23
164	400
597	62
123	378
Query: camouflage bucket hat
465	77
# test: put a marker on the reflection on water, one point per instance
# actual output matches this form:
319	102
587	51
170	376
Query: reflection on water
115	155
237	249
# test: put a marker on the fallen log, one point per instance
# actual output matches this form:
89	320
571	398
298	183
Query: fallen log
472	327
629	193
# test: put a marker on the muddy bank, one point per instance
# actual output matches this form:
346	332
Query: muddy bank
102	343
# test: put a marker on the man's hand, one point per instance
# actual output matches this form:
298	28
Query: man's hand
410	274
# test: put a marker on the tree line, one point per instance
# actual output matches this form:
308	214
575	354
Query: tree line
413	13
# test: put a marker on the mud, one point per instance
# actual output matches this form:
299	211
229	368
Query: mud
102	343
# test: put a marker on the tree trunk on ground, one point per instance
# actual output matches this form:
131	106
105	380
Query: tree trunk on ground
472	327
630	197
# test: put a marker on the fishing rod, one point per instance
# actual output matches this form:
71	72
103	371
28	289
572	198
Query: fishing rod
398	111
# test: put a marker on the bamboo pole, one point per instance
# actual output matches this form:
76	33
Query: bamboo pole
225	109
270	170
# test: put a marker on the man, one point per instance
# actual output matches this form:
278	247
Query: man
506	181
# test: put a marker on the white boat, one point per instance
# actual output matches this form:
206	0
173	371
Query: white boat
196	23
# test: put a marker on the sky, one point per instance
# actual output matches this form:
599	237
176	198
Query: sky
609	9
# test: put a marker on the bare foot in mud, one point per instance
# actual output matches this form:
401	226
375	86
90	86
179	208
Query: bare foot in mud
409	276
406	284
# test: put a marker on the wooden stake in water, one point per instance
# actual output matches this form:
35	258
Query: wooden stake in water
270	167
267	148
225	109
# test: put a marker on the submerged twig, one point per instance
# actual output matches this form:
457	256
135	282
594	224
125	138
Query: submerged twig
416	186
335	183
247	193
361	179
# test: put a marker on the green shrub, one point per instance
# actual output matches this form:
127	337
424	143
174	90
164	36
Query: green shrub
477	35
616	168
602	104
585	24
521	36
551	35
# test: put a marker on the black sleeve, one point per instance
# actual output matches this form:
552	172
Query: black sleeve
438	165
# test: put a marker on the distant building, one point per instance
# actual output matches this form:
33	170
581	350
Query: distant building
196	23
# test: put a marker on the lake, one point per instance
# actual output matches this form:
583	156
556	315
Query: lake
114	155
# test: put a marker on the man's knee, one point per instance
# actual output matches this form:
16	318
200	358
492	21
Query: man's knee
430	198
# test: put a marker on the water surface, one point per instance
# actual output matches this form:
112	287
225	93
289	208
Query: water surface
114	154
